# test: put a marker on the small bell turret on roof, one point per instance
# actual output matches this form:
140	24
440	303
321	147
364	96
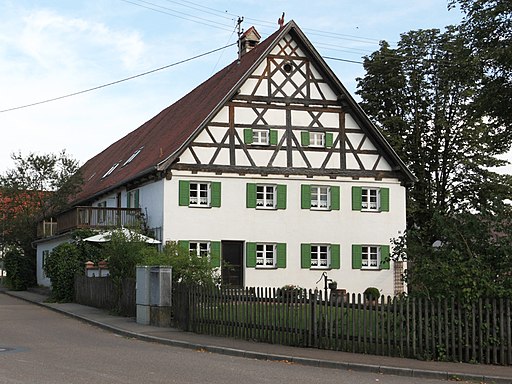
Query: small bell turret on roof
248	41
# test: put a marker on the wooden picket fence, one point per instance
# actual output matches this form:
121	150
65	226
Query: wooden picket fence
442	329
100	292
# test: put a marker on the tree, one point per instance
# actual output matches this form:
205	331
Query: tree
487	28
37	187
424	95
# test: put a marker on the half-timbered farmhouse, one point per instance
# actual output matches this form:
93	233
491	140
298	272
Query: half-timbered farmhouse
269	167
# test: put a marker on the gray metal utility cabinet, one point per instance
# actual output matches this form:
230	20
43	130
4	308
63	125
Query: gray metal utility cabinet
153	295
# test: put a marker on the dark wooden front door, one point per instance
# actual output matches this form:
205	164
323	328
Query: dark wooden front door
232	263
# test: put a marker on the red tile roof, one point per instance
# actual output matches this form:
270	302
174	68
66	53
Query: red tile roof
165	133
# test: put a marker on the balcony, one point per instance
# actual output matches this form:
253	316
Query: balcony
90	218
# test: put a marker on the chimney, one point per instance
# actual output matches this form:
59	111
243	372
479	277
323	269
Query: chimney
248	41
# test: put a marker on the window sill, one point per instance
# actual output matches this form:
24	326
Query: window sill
265	267
319	268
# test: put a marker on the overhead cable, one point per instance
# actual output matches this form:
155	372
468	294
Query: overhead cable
117	81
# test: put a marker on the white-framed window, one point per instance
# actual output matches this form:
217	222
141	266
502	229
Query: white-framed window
112	169
370	257
320	197
266	196
317	139
265	255
261	136
370	199
199	195
320	256
200	248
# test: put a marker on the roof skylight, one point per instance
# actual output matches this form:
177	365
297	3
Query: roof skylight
132	156
110	170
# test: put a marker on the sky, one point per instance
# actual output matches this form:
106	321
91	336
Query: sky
50	49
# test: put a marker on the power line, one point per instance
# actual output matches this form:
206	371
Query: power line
117	81
169	10
261	23
338	59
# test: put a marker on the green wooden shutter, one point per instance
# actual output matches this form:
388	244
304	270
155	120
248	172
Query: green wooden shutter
384	199
335	256
281	255
215	253
304	139
128	200
248	136
184	193
136	199
305	196
250	255
281	196
357	251
184	245
305	255
250	195
273	137
335	198
357	193
384	257
215	197
329	138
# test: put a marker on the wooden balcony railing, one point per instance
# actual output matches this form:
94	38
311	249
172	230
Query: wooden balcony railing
90	217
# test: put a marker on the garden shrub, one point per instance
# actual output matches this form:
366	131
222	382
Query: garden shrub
19	269
61	266
371	293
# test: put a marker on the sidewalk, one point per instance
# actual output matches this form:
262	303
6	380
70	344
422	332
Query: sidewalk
306	356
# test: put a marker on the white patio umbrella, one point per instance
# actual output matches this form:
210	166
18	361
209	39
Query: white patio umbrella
106	236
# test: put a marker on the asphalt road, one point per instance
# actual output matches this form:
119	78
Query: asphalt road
40	346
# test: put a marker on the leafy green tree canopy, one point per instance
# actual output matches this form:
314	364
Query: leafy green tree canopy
422	96
487	27
36	188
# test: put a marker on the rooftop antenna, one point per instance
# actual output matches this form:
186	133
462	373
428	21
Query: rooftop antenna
240	32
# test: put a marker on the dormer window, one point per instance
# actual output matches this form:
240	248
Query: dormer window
110	170
132	156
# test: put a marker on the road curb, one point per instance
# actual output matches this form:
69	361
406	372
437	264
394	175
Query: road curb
387	370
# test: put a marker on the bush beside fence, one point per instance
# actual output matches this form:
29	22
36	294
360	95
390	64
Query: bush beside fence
410	327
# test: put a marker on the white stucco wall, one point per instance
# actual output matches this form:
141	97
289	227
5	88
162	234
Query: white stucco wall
293	226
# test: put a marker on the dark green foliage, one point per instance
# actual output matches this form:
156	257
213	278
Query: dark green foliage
188	268
123	254
487	27
20	270
426	96
422	95
471	258
61	266
36	188
371	293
